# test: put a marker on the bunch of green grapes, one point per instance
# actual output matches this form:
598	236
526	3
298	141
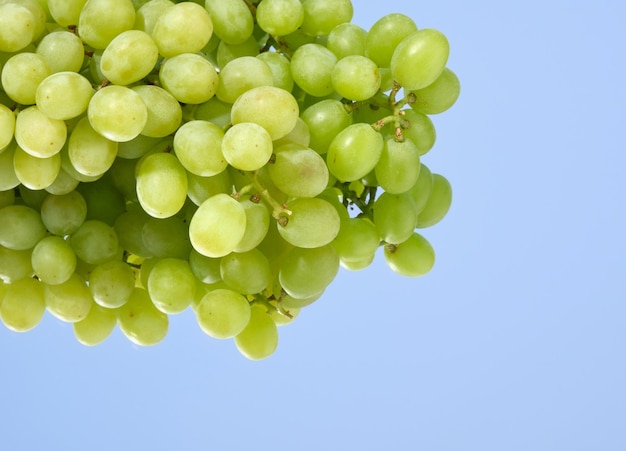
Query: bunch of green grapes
226	157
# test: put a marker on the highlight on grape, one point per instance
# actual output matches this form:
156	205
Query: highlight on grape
223	156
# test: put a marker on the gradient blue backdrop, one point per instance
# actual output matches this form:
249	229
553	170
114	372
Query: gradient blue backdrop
515	341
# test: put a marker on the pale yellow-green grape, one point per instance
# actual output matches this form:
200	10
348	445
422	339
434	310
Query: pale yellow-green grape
164	111
69	301
201	188
259	339
20	227
257	225
34	172
147	14
63	184
217	226
325	119
214	110
347	39
420	129
198	146
206	269
299	172
232	20
321	16
247	146
96	326
357	265
280	67
356	77
53	260
7	126
63	95
246	272
21	75
420	192
305	273
354	152
440	95
38	134
63	214
17	27
385	35
95	73
438	202
280	17
228	52
101	20
313	222
398	167
420	58
140	146
189	77
299	135
15	264
223	313
161	185
184	28
7	198
241	75
95	242
89	152
111	283
311	68
395	217
357	240
140	321
411	258
117	112
275	109
171	285
334	197
129	227
23	305
63	51
39	10
66	12
129	57
167	237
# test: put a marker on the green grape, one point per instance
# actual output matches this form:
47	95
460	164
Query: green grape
257	225
7	198
347	39
23	305
232	20
62	51
325	119
66	12
201	188
280	17
241	75
385	35
171	285
95	242
8	178
356	77
17	27
247	146
440	95
228	52
15	264
223	313
411	258
122	174
438	202
90	153
129	229
274	109
420	58
63	214
63	184
357	265
214	110
357	240
354	152
140	145
206	269
398	167
53	260
299	135
334	197
246	272
161	185
34	172
63	95
7	126
39	10
69	301
164	111
111	283
167	237
189	77
312	223
147	14
21	75
395	217
96	326
32	198
311	68
140	321
259	339
299	172
305	273
420	192
100	21
419	129
21	227
38	134
321	16
129	57
104	202
198	146
117	112
183	28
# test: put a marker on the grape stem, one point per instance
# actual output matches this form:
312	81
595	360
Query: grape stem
279	211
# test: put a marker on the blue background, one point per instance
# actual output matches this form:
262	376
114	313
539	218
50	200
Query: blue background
515	340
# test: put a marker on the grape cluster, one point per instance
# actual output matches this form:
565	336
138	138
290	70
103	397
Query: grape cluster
227	155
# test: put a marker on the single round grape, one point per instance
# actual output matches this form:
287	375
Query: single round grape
38	134
325	119
129	57
347	39
14	265
438	202
17	27
117	112
198	146
63	214
420	192
299	135
357	240
280	67
312	223
63	184
206	269
257	225
223	313
354	152
34	172
23	305
420	129
201	188
228	52
140	321
232	20
321	16
280	17
184	28
246	272
171	285
398	167
21	227
95	242
21	75
385	35
247	146
440	95
241	75
411	258
65	12
259	339
62	50
96	326
69	301
299	172
167	237
189	77
111	283
90	153
53	260
311	68
63	95
100	21
395	217
161	185
305	273
356	77
164	111
148	14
